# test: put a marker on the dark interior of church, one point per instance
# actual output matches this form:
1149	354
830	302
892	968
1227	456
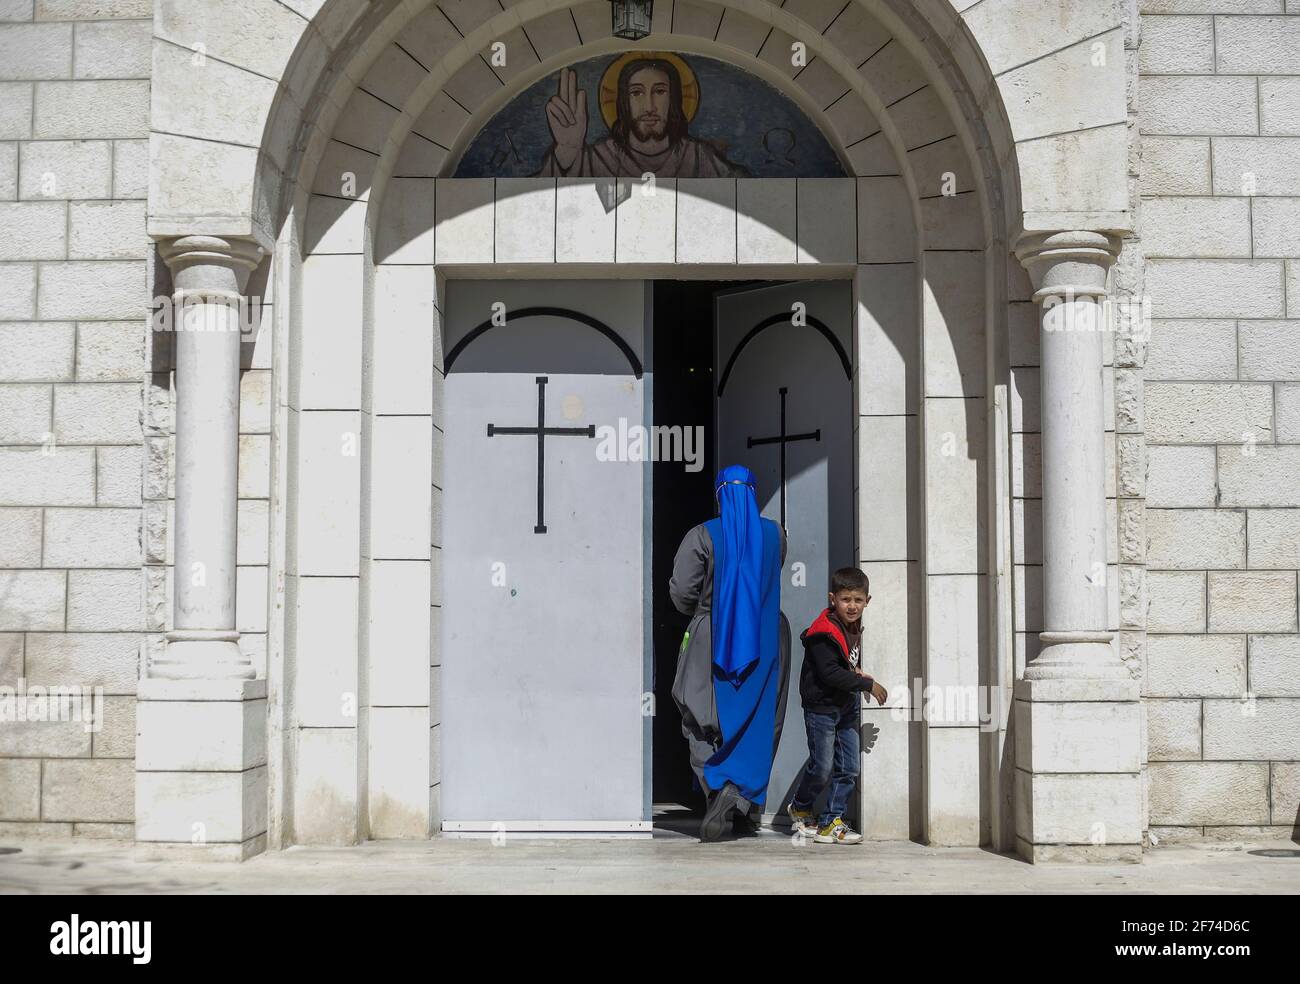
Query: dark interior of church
683	347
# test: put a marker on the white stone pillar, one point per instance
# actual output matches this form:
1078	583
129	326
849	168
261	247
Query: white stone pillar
1077	710
1068	271
209	275
201	777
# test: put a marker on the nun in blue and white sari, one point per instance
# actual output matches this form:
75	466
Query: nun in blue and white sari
733	668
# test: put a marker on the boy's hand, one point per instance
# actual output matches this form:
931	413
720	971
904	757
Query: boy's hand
879	692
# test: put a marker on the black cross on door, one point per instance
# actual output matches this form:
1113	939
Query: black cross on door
541	430
783	439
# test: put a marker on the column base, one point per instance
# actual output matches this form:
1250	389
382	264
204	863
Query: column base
201	654
1076	656
1078	782
201	776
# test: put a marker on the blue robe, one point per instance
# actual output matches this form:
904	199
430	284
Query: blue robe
746	664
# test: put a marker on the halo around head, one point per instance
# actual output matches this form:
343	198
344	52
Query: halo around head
609	83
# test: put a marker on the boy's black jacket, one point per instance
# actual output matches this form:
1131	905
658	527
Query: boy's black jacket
827	681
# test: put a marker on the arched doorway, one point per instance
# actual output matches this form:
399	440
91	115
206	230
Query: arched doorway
355	162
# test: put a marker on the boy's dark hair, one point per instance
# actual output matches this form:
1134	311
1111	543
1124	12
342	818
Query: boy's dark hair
850	579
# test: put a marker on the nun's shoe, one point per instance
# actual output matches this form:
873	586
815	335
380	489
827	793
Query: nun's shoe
715	819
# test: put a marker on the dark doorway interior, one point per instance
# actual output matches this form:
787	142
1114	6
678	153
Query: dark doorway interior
684	378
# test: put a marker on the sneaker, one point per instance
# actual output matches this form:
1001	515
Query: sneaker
801	821
837	832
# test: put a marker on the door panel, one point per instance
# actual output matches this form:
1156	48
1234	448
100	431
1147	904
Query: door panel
770	369
542	621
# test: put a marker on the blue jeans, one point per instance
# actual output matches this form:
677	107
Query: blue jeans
832	758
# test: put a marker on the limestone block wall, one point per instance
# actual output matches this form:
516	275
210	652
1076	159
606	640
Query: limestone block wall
1219	113
74	111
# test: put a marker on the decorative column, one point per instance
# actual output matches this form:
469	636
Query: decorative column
201	717
1077	713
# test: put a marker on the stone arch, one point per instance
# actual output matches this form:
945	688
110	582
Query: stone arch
384	243
290	60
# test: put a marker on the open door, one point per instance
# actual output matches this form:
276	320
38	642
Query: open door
784	410
543	649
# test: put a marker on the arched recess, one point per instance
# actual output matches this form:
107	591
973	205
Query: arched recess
921	122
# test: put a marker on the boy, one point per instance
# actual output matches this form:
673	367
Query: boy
829	685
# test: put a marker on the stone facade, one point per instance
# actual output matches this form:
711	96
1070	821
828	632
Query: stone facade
74	263
1218	100
1000	149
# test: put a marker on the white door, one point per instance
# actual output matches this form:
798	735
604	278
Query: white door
784	405
542	558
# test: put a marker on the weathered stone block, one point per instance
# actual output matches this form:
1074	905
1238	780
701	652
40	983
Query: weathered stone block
1208	792
65	169
20	789
1269	349
1182	539
1177	601
1275	665
1095	809
201	735
1215	288
93	290
1192	350
1261	729
1252	601
1279	106
1078	737
1259	476
92	537
1197	105
1284	792
1196	227
105	601
110	660
1196	666
325	790
102	109
18	290
398	776
1256	166
1173	730
1175	165
200	807
88	790
1208	413
1257	46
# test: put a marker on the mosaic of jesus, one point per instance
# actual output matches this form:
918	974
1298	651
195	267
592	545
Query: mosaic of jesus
650	111
649	130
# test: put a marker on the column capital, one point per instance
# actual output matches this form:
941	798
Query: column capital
1067	262
221	263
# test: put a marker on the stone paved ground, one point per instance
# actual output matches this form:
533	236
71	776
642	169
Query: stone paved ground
668	862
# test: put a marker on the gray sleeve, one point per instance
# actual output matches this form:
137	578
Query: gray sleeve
689	568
